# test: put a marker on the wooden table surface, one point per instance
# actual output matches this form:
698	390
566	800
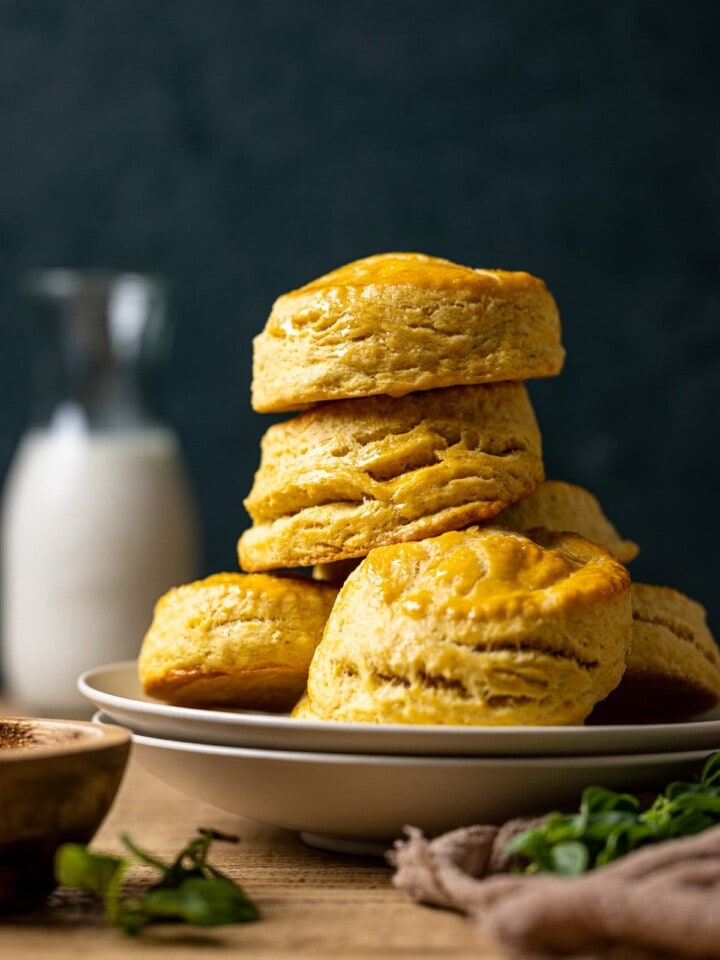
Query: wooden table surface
314	904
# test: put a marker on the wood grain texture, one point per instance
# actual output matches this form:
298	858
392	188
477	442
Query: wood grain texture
314	904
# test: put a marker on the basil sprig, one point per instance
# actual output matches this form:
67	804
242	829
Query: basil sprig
189	890
610	825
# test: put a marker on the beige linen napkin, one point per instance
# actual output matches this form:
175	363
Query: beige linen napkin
662	901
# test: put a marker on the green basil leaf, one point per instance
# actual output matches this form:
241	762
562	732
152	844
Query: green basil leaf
76	867
710	774
532	845
610	825
709	802
190	889
601	800
202	901
570	858
601	824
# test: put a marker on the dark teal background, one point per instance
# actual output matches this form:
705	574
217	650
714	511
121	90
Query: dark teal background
241	148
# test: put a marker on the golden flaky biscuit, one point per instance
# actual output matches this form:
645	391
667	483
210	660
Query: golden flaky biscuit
564	506
396	323
673	669
234	640
554	505
484	626
345	477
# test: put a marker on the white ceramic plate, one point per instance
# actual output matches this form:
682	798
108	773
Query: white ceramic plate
340	800
115	689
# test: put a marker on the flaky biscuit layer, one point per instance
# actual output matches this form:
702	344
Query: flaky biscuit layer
234	640
556	505
673	669
345	477
484	626
396	323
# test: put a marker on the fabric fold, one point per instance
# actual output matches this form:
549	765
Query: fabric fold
662	901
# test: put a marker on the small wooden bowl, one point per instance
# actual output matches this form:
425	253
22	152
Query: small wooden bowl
58	779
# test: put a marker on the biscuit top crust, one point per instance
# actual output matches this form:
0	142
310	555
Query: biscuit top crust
227	597
557	505
494	574
671	612
380	274
398	323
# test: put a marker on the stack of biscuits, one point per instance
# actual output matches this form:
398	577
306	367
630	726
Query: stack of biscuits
408	561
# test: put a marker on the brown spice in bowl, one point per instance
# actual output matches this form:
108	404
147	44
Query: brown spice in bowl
22	736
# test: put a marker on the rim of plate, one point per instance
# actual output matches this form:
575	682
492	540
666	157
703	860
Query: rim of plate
115	690
213	717
379	759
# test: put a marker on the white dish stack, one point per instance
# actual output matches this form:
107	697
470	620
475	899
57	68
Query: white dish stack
354	787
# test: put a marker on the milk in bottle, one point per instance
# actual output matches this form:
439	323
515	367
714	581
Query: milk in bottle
98	516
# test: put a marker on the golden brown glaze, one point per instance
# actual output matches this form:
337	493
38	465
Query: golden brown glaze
556	505
396	323
484	626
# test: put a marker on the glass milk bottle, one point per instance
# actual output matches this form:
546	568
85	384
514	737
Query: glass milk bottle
98	519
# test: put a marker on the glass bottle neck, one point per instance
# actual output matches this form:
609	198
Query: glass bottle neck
100	341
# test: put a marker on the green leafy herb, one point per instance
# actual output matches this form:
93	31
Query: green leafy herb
610	825
189	890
